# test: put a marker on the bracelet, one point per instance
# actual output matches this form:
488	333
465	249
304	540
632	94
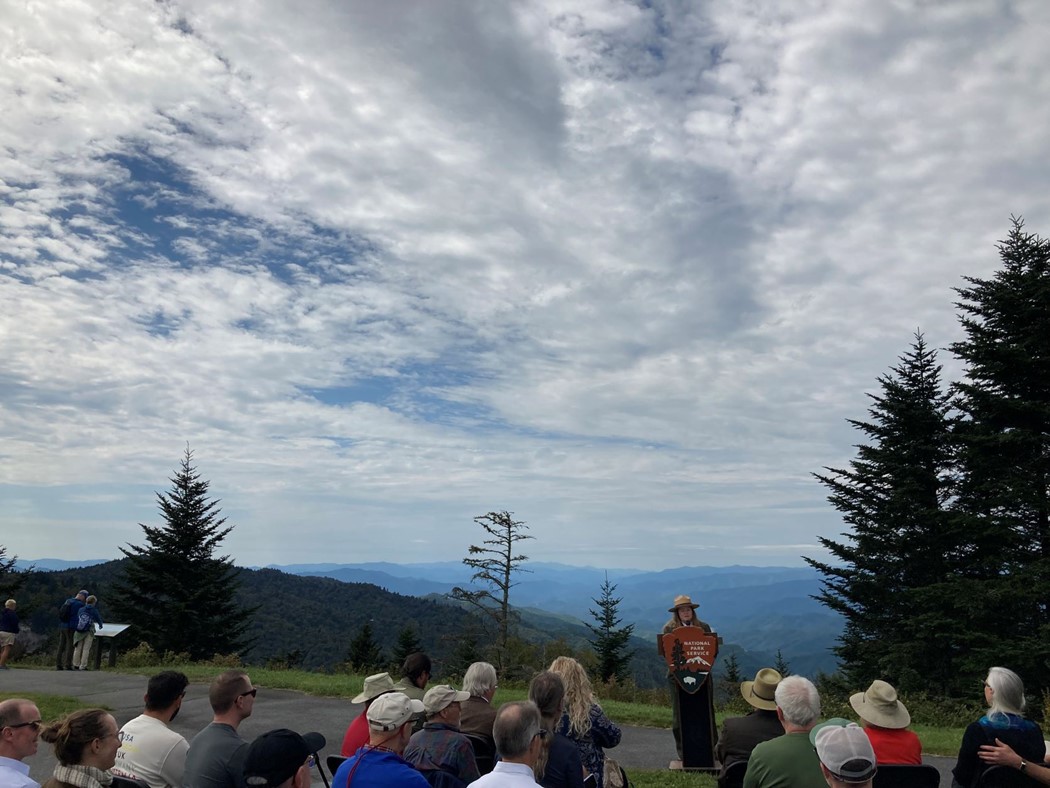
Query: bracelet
1023	765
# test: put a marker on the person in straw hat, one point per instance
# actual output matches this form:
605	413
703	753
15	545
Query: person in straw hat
683	612
885	721
741	734
357	733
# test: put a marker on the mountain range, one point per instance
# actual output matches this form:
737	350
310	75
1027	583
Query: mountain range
758	611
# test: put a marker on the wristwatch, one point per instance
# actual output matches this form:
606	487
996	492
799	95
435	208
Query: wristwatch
1023	765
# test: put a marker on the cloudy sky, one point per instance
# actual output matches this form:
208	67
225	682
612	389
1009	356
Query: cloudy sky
622	268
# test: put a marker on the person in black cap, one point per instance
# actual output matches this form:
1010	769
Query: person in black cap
281	758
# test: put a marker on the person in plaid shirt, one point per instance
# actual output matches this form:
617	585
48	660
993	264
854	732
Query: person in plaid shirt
440	745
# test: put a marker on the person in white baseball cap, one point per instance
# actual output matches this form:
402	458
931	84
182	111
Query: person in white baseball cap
440	745
379	763
845	753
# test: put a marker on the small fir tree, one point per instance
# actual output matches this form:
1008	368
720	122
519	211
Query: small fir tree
407	643
10	578
781	665
610	639
364	655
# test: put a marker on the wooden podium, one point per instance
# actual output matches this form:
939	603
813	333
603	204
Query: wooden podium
690	653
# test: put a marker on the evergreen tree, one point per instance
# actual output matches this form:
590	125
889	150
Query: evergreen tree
781	666
10	578
610	639
1004	453
732	671
364	655
902	540
495	563
177	595
407	643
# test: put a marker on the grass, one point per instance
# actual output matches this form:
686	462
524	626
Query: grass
51	706
662	778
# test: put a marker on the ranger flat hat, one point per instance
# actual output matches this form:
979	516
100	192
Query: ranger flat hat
682	600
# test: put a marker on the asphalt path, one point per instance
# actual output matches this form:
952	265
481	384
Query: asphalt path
640	748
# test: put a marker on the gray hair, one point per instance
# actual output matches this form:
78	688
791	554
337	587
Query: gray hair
479	678
10	604
799	701
1007	692
517	724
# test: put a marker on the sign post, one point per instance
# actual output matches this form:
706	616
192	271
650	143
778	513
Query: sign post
690	653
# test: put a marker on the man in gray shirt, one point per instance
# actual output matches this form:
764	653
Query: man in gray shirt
216	755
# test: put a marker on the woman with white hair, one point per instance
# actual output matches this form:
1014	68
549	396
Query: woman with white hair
1004	694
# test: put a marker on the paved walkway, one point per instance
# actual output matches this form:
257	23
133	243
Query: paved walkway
641	748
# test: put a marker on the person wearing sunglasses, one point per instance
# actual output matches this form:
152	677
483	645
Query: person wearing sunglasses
19	731
216	755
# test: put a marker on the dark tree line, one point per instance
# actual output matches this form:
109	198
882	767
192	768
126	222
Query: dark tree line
945	568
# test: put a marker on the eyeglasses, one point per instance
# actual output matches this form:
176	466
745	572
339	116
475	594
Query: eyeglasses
311	762
253	692
542	733
34	724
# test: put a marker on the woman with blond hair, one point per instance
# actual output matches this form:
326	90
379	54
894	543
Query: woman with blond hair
86	744
583	720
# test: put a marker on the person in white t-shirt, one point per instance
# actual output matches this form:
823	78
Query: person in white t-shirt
149	749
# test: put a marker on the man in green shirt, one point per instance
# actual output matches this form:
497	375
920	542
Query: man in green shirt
789	761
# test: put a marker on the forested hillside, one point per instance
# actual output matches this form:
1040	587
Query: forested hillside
314	615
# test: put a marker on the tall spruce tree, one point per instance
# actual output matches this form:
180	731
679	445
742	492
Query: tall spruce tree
902	539
177	595
1004	458
610	639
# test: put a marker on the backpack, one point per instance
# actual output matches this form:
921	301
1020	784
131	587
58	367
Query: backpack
65	611
84	623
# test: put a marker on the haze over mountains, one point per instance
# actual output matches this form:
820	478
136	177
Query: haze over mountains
761	609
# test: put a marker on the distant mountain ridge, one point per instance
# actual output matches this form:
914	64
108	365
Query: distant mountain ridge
756	610
761	609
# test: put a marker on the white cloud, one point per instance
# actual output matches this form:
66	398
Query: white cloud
621	269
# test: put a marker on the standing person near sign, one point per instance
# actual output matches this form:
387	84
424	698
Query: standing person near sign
684	615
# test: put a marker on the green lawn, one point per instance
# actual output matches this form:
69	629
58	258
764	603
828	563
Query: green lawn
51	706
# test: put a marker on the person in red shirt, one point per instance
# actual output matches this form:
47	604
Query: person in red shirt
357	733
885	721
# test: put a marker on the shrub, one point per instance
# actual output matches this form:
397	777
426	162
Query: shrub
141	656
